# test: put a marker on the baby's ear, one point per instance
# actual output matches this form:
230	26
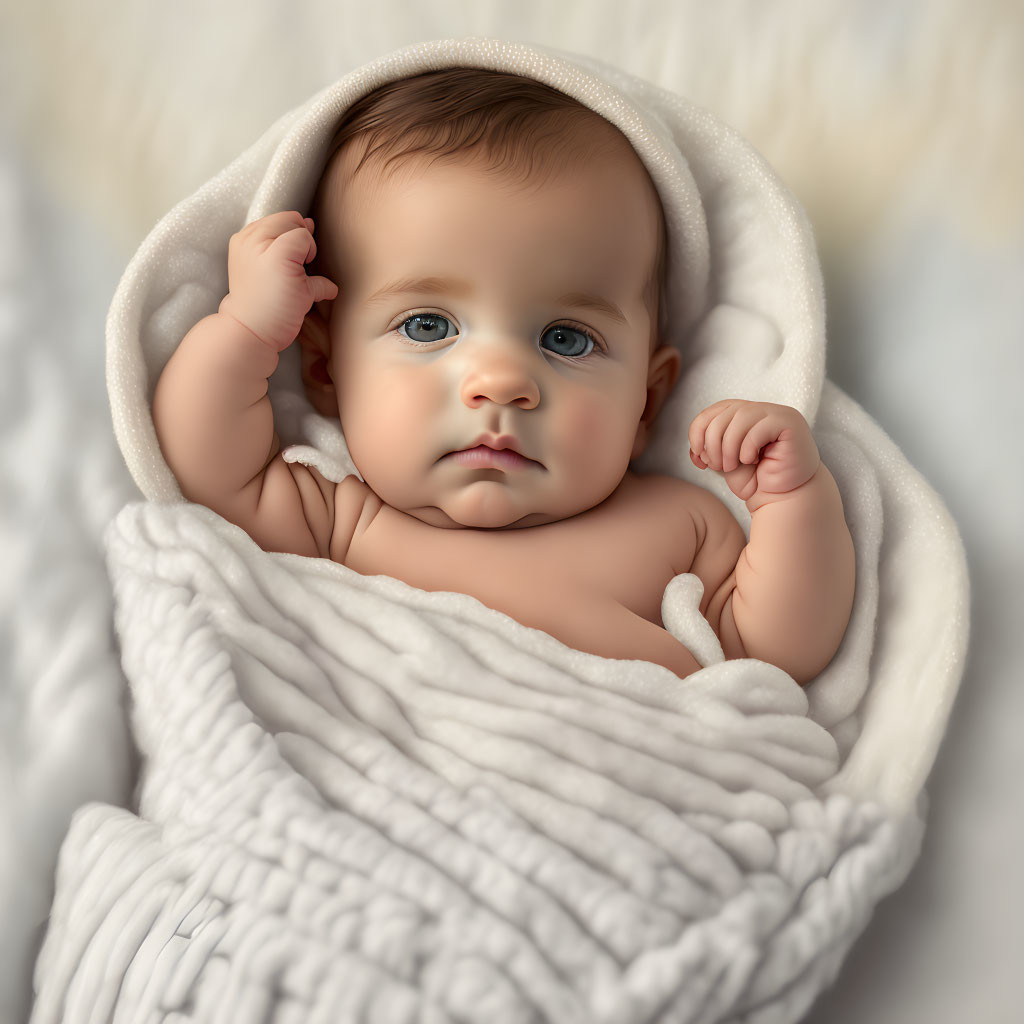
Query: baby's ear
315	342
662	372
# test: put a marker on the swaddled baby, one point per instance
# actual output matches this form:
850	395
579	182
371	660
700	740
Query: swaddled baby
485	262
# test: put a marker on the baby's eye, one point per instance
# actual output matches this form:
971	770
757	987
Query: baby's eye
567	341
426	327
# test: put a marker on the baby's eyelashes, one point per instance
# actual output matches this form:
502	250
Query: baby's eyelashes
426	328
568	341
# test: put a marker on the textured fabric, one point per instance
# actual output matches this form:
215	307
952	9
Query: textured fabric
400	806
745	299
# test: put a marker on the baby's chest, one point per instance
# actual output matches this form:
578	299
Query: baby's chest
575	569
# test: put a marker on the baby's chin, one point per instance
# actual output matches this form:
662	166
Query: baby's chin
480	507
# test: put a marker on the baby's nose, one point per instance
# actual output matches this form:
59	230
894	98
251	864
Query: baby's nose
502	378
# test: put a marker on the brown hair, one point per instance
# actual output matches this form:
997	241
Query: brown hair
516	126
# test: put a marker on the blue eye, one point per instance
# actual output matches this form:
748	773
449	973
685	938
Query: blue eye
567	341
427	327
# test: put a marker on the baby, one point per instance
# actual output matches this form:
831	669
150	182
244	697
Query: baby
482	309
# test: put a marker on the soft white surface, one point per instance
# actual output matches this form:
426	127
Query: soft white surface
896	126
486	821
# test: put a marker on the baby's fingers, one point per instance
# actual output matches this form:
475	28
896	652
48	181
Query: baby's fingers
708	430
297	246
266	229
321	288
698	432
735	451
763	432
701	420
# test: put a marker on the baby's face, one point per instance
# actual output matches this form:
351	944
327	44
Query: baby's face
490	345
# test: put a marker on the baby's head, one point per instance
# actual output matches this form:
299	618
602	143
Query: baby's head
499	250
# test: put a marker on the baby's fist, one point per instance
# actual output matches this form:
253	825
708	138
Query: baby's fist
762	449
269	291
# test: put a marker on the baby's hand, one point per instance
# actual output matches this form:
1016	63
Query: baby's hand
269	291
762	449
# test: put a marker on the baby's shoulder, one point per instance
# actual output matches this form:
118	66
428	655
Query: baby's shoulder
670	496
685	514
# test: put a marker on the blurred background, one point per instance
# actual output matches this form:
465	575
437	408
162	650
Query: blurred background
897	125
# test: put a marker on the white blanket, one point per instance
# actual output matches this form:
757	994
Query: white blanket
365	802
358	791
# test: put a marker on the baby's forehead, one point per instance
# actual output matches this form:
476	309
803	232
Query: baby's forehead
353	182
539	162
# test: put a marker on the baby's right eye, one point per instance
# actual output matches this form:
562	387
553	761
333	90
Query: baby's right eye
427	327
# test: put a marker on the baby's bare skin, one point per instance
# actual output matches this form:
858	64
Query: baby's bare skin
562	537
594	581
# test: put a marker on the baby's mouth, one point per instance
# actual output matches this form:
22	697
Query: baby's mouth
484	457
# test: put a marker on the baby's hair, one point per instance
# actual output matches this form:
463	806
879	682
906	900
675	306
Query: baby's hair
516	126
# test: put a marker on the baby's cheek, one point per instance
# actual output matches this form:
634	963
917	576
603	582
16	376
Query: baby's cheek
377	427
388	429
601	440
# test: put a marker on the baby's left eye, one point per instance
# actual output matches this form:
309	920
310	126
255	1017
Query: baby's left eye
427	327
567	341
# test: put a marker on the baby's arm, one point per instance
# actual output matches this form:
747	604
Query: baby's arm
788	597
211	409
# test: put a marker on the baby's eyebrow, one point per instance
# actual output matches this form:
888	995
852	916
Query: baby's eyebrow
583	300
459	288
405	285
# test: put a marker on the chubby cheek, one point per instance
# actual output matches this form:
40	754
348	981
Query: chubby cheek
599	439
382	417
